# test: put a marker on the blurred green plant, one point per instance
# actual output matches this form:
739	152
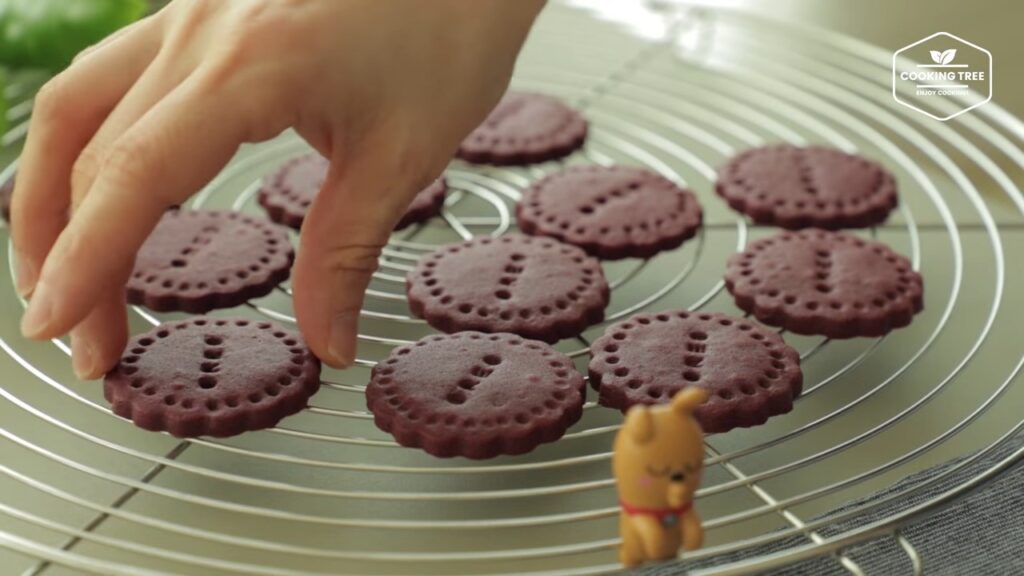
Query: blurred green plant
3	101
49	33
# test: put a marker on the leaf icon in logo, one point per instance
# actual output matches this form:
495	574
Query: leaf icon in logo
948	55
936	56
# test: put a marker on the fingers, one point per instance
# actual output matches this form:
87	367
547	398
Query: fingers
342	237
140	177
68	111
110	38
97	343
159	79
341	240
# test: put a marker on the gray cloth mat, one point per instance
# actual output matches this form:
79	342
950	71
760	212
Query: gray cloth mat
982	534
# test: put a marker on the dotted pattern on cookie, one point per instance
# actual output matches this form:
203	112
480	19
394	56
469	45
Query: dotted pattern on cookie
287	194
196	261
827	283
813	186
611	212
215	377
750	372
525	128
475	395
536	287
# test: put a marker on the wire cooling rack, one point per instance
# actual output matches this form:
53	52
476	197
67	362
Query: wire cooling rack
678	91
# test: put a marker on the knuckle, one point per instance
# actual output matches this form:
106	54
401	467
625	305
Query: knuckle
358	258
265	109
84	53
70	247
264	19
125	159
84	170
419	163
186	20
130	163
54	100
257	28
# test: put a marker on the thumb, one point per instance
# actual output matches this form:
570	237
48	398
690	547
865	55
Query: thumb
342	236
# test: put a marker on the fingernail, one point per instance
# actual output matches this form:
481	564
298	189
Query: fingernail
24	275
40	311
342	344
82	358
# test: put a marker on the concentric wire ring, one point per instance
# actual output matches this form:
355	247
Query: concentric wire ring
679	117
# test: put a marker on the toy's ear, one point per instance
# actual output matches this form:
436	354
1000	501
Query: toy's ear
687	399
639	424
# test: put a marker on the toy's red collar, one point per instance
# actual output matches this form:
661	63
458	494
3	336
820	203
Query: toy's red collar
659	513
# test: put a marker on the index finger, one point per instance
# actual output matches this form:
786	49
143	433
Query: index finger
68	110
154	165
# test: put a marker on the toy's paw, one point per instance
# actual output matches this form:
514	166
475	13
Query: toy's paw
628	559
659	549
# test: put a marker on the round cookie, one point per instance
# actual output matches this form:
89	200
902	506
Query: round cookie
198	260
425	205
475	395
611	212
6	191
813	186
212	377
827	283
287	194
535	287
525	128
749	372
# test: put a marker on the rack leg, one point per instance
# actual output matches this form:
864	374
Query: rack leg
786	514
917	564
148	477
915	559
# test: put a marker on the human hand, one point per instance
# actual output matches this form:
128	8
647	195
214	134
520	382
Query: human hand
384	89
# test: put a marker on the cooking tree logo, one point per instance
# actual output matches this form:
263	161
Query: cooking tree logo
942	76
943	57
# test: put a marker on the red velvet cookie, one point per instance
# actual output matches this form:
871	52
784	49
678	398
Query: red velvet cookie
827	283
535	287
525	128
814	186
750	372
616	212
6	191
212	377
287	194
197	260
475	395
